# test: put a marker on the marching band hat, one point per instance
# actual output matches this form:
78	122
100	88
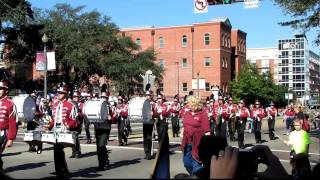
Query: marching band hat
257	102
220	98
230	99
63	88
241	102
76	94
271	104
159	96
211	100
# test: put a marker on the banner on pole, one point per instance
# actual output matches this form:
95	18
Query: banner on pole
200	6
51	61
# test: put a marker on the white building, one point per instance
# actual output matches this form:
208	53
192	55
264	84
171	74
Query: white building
292	64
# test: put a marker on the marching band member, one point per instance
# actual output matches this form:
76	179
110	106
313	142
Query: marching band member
8	119
271	113
148	123
257	115
242	114
64	118
220	121
102	132
87	123
76	151
289	115
232	120
174	113
122	116
163	112
31	125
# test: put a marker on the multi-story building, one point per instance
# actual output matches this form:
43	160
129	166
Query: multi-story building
210	53
292	64
264	58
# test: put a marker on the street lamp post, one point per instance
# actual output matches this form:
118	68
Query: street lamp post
45	40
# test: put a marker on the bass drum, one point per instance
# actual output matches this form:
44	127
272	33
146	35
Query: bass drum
96	111
26	107
135	108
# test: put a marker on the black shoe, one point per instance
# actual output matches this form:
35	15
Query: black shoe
148	157
32	149
103	168
126	143
72	156
89	141
39	151
63	174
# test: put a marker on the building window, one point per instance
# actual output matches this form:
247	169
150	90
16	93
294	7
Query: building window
161	63
226	63
184	41
184	62
226	41
207	61
207	86
222	62
161	42
161	86
138	41
184	87
207	39
229	42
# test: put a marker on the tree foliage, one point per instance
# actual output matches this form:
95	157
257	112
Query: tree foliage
305	13
251	85
90	43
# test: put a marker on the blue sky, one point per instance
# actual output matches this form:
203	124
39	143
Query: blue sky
261	24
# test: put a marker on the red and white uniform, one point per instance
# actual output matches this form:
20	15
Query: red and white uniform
232	109
122	110
271	112
64	113
225	112
258	113
217	109
174	109
289	114
8	118
210	111
162	110
243	113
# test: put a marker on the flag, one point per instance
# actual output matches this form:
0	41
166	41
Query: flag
161	166
200	6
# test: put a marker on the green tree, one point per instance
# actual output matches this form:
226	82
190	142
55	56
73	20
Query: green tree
251	85
305	13
87	43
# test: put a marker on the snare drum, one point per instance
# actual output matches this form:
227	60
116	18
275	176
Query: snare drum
48	137
26	107
96	111
67	139
32	137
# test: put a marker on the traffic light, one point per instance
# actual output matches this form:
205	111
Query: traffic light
218	2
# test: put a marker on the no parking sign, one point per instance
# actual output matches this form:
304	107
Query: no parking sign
200	6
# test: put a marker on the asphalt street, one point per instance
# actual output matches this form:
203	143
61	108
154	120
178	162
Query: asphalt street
127	161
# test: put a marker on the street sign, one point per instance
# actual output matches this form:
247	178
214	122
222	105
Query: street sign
200	6
51	61
251	3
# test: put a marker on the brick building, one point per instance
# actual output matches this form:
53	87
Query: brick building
211	52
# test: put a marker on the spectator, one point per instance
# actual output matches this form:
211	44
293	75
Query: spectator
196	125
299	140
